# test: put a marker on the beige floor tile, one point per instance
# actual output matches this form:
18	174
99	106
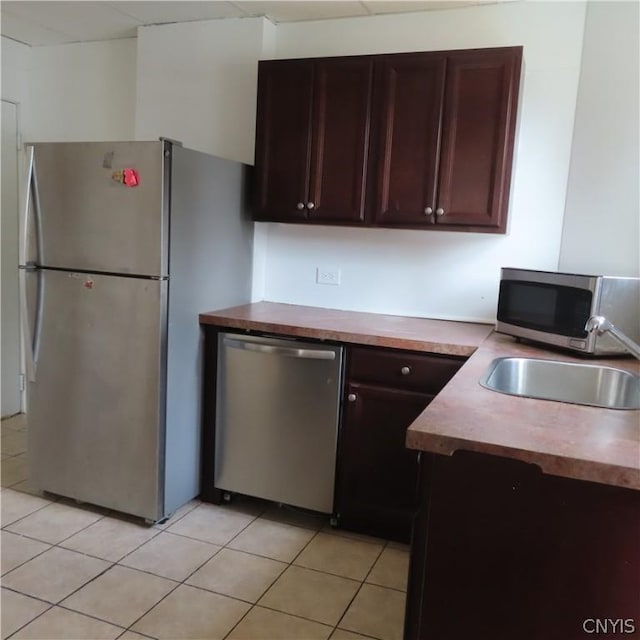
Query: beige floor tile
55	522
65	571
341	556
132	635
171	556
16	423
13	442
182	511
291	515
15	505
17	549
391	569
62	624
26	486
13	470
265	624
121	595
272	539
190	613
18	610
377	612
341	634
237	574
211	523
110	538
310	594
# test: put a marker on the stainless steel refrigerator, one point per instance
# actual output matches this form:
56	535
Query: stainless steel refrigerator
122	245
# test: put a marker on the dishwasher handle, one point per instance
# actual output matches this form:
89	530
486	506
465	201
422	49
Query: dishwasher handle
289	352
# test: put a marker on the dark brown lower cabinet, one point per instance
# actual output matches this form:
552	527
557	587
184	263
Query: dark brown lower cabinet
377	476
502	551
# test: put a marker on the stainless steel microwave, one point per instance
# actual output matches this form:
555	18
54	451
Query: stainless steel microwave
553	308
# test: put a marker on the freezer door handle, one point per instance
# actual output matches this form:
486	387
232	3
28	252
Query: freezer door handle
30	223
289	352
25	208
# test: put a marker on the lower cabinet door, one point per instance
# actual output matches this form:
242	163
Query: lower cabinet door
377	474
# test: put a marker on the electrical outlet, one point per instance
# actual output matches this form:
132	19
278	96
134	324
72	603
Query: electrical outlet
325	275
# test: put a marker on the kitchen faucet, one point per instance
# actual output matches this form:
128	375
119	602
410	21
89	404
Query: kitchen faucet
601	325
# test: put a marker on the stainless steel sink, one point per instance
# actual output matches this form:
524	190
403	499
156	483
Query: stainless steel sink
589	384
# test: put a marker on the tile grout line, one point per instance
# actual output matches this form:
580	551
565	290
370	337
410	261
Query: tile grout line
290	564
29	621
261	515
183	582
355	595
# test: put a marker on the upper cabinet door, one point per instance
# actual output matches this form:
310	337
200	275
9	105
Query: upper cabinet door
283	139
409	109
340	139
478	132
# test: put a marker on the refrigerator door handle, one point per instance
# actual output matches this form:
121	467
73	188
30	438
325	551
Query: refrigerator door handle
30	341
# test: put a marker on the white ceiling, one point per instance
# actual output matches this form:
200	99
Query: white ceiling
51	23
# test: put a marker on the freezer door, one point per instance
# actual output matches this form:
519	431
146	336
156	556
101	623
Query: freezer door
100	206
96	405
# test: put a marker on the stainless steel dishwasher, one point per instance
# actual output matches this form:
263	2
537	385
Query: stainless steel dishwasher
277	409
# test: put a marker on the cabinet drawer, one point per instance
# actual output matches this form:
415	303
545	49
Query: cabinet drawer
425	373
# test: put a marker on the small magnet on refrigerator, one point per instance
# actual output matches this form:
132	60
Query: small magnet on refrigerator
88	284
130	177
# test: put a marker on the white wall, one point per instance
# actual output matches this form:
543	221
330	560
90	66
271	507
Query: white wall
444	274
83	91
602	220
196	82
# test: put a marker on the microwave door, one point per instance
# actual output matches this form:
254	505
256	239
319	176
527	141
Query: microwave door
550	313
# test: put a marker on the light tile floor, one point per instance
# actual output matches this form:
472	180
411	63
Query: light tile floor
249	570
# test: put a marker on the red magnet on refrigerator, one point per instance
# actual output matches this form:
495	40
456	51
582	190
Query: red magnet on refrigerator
130	177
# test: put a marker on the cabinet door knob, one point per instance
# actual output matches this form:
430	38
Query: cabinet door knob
310	205
352	397
300	206
405	371
439	212
428	211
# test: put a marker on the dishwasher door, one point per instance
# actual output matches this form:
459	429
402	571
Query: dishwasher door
277	411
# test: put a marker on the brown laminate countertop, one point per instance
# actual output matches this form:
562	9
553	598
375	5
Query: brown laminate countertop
573	441
568	440
356	327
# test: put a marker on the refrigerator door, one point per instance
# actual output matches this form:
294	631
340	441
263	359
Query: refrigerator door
96	404
100	206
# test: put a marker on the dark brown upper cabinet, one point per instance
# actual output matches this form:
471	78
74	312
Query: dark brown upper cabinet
312	139
409	95
416	140
446	125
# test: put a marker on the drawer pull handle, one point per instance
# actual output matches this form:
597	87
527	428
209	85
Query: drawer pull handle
352	397
300	206
405	371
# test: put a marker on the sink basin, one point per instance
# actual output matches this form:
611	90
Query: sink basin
593	385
